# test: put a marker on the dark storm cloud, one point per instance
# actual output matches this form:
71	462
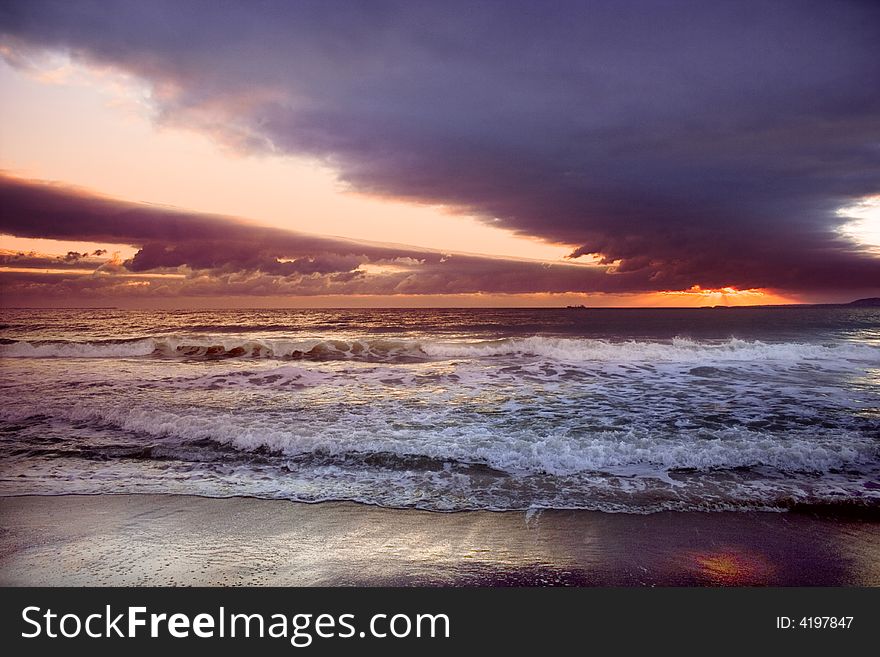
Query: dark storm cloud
171	237
183	253
697	143
238	256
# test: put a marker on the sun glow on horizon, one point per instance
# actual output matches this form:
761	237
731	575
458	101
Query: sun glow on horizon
727	296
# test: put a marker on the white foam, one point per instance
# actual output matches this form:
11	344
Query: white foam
677	350
514	450
59	349
566	350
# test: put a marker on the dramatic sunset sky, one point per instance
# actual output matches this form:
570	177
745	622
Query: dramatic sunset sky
171	154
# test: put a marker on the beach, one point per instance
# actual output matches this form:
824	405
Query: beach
180	540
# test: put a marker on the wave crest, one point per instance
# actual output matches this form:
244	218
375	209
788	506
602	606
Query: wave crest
383	349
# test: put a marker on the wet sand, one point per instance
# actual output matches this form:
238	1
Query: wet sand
161	540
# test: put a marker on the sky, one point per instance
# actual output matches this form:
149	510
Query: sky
263	154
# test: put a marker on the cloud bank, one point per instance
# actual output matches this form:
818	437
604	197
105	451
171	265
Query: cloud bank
181	253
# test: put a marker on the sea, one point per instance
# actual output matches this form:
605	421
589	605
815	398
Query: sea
616	410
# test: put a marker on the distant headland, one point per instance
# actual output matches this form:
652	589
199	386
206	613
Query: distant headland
871	302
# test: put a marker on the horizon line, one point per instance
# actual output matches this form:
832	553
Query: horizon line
569	307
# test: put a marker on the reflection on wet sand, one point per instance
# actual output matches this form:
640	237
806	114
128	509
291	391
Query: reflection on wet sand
182	540
733	567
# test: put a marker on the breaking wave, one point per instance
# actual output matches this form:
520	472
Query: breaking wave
561	349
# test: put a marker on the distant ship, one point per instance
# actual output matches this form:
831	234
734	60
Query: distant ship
580	306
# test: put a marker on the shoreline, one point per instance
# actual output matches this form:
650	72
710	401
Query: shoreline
183	540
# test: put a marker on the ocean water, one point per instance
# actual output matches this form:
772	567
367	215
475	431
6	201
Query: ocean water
621	410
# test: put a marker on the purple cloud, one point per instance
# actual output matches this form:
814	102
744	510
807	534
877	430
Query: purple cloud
688	142
182	253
